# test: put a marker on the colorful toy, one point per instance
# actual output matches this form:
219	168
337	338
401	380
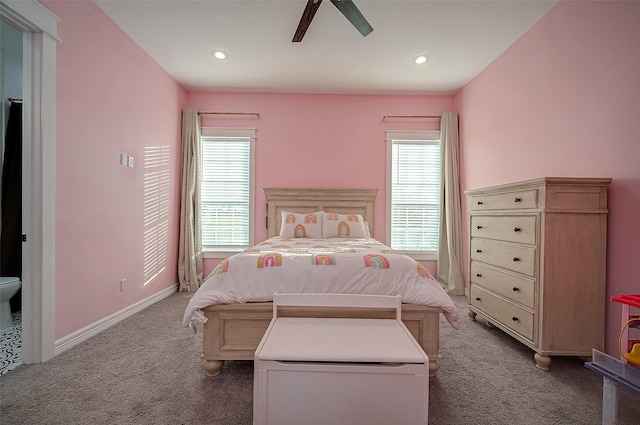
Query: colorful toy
631	352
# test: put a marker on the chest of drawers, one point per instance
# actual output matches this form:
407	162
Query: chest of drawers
537	252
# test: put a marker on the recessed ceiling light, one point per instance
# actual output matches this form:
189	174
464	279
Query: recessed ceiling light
421	59
219	54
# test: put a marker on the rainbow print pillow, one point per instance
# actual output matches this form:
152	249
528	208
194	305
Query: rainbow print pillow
343	226
296	225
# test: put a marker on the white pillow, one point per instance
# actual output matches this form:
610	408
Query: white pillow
343	226
295	225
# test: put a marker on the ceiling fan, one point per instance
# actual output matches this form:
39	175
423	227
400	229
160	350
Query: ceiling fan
348	9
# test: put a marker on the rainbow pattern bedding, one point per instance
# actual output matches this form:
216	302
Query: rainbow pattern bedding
309	265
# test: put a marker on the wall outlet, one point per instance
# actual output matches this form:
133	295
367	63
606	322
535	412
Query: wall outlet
123	285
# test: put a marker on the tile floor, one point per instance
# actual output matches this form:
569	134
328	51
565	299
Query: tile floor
11	345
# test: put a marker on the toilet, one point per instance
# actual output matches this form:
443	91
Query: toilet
9	286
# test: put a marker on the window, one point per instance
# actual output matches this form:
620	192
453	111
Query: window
413	188
226	190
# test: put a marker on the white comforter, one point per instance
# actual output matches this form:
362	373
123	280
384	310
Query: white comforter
337	265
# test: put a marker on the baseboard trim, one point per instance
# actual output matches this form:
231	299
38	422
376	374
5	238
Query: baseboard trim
81	335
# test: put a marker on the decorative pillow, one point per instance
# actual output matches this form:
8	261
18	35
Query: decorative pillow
295	225
343	226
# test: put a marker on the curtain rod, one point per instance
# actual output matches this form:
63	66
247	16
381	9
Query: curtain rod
15	100
410	116
230	113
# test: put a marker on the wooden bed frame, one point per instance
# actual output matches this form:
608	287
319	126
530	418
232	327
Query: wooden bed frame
233	331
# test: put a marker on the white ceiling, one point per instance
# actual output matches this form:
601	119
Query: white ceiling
460	37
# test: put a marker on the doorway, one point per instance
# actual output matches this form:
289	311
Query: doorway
38	28
11	88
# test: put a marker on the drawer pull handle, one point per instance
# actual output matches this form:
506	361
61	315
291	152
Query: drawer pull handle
478	250
514	318
516	229
477	298
478	227
516	259
516	289
517	200
478	275
479	202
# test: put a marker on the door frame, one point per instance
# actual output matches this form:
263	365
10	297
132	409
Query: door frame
40	38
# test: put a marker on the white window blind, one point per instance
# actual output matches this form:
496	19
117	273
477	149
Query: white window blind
226	190
414	187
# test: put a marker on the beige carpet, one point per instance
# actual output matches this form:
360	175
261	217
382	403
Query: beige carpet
146	370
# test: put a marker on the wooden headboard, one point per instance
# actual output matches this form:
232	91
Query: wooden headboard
340	201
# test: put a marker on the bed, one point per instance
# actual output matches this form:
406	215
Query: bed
233	323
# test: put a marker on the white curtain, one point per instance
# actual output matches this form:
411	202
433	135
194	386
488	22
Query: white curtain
450	245
190	249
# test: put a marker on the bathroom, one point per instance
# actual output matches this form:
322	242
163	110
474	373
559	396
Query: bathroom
11	90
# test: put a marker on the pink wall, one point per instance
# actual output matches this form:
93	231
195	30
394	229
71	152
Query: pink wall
111	99
306	140
563	101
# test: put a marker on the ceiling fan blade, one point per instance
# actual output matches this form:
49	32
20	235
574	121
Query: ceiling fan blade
351	12
307	16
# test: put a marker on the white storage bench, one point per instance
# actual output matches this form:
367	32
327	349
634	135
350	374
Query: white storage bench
339	371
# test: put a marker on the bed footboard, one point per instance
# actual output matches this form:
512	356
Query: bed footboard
233	331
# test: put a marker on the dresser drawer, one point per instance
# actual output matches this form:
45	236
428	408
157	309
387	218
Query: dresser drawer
509	285
510	315
518	228
520	199
518	258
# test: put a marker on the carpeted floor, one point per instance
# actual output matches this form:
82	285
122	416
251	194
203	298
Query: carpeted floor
146	370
